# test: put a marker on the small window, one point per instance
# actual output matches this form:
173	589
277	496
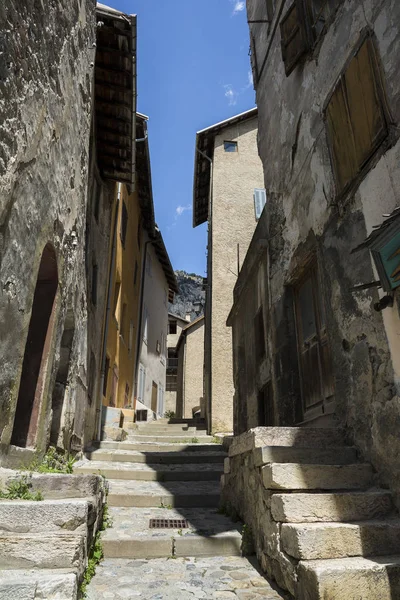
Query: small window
172	327
171	382
106	372
260	199
135	274
117	290
355	116
124	224
95	270
124	311
293	39
230	146
259	336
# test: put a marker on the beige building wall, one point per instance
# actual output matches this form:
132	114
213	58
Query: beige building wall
172	374
236	175
193	372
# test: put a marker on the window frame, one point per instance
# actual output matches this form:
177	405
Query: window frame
173	322
343	193
230	144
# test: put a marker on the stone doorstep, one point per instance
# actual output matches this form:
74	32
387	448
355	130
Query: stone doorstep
375	578
162	473
60	584
339	455
160	447
167	458
326	507
340	540
44	551
295	437
290	476
25	516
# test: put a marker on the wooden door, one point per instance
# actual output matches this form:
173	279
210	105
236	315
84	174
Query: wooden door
313	348
154	396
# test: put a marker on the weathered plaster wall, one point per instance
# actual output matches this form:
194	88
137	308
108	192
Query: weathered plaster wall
193	369
235	175
46	51
304	216
155	305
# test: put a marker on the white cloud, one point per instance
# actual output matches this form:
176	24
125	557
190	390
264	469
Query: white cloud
231	94
240	5
181	209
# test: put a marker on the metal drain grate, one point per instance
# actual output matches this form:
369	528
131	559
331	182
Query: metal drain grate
168	524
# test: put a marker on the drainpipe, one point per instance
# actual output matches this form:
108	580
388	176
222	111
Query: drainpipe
107	319
209	288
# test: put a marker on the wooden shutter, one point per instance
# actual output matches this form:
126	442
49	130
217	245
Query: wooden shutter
365	106
260	199
293	38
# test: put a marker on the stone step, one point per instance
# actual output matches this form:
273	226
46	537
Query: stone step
25	516
167	428
200	494
58	485
171	439
309	541
295	437
350	578
38	584
155	457
156	472
208	534
44	551
335	506
147	447
338	455
289	476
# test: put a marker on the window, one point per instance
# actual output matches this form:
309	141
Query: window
172	364
172	382
130	343
124	224
302	25
260	199
172	327
117	290
259	335
122	330
230	146
355	116
94	284
135	274
293	40
145	321
106	371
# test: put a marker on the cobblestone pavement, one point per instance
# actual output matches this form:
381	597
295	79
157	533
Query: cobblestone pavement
180	579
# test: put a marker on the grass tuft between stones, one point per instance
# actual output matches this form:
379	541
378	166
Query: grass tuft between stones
20	489
96	553
53	462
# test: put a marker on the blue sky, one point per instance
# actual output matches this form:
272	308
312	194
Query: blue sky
193	71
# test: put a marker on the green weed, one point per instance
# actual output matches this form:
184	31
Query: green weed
96	556
169	414
20	489
53	462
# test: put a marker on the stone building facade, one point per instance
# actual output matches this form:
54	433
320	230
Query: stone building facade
228	175
329	106
58	188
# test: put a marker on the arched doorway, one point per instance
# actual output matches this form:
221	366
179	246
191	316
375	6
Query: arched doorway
36	351
61	383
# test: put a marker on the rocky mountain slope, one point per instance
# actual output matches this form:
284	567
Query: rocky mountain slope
191	297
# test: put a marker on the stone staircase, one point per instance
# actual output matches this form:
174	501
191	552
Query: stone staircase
324	528
169	473
44	544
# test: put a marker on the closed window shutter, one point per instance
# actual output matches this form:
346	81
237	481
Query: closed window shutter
293	38
365	108
260	199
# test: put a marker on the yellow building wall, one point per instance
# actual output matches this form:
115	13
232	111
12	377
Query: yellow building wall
123	317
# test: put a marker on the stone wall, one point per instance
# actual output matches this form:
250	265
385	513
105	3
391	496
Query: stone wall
46	60
305	217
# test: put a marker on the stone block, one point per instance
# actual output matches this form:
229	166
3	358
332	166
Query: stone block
312	477
339	540
227	466
299	437
34	585
337	507
348	578
111	417
217	545
22	516
113	433
340	455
